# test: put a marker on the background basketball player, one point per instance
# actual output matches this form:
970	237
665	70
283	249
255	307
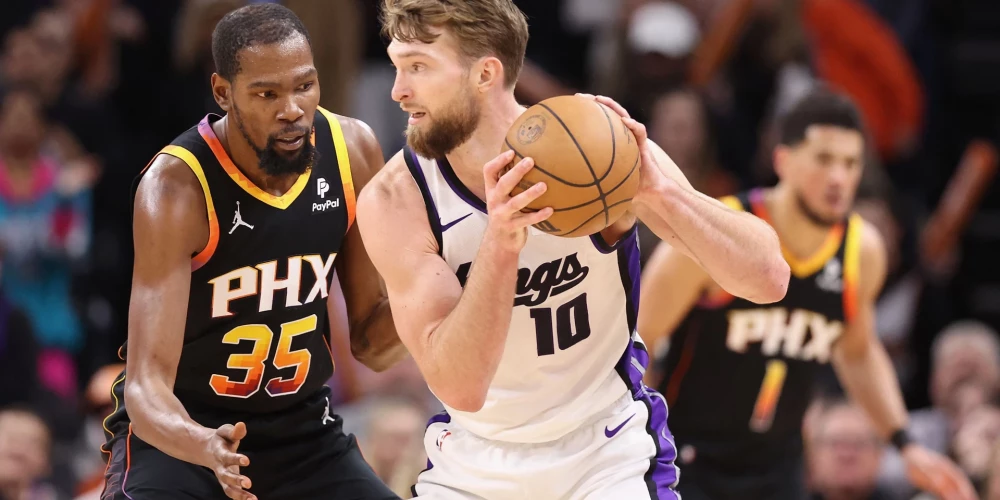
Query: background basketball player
739	375
545	398
227	353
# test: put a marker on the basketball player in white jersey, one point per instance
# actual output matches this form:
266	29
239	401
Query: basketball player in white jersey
527	339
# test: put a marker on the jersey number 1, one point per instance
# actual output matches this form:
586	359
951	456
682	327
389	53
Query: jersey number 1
767	399
254	363
572	325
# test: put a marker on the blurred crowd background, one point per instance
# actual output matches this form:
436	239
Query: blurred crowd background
90	90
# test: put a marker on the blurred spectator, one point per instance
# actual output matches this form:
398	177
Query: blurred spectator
965	375
647	54
844	454
975	443
18	354
25	445
44	228
88	461
392	441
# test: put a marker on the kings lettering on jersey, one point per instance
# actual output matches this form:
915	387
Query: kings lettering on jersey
260	283
535	286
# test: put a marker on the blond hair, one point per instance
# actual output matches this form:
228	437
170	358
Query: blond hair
481	28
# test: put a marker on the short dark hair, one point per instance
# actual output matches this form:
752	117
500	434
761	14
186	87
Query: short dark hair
819	107
257	24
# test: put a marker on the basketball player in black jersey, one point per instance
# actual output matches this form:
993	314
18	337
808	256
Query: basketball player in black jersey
239	226
738	375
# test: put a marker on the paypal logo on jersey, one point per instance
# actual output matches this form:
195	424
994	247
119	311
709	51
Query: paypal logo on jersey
547	280
322	187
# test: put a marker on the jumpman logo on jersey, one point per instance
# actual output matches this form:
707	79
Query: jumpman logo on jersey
238	220
326	414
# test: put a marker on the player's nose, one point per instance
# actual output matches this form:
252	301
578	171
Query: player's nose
291	111
400	89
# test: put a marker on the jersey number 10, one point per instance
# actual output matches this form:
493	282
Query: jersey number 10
572	325
254	363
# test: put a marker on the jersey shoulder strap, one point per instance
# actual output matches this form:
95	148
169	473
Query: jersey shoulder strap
336	133
852	265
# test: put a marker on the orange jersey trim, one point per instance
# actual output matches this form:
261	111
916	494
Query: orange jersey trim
852	266
801	268
344	163
202	257
281	202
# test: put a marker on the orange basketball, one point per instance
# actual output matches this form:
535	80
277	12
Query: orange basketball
585	155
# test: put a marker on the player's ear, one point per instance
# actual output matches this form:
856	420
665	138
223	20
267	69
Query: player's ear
490	71
780	159
222	91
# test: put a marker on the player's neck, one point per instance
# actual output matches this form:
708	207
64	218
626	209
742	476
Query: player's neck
246	160
486	142
797	232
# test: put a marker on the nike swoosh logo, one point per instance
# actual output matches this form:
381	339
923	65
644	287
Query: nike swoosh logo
610	433
445	227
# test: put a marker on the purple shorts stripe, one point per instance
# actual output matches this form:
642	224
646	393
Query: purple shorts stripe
440	418
663	474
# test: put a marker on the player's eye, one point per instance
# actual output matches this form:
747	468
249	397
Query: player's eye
267	94
417	67
305	86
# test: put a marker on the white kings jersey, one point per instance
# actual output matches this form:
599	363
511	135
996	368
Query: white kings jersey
571	351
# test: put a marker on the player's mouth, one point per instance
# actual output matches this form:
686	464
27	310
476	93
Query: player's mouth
415	117
290	143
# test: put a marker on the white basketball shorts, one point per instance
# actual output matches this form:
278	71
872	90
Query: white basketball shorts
624	453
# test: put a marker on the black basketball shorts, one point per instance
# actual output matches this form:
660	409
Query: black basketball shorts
319	462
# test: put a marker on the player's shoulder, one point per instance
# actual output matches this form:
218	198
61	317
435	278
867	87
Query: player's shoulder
871	251
170	180
362	145
392	188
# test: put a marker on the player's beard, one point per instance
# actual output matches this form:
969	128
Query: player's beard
813	216
275	163
447	130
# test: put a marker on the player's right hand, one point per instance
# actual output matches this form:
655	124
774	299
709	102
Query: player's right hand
226	463
507	224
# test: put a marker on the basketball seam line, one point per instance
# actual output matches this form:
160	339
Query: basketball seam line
546	172
574	207
586	160
626	200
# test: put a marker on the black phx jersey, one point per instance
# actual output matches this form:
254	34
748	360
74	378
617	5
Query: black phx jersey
739	375
255	336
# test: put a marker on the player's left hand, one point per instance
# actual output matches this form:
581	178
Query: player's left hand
650	176
936	474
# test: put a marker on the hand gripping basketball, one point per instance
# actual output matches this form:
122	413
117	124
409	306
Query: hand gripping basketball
507	224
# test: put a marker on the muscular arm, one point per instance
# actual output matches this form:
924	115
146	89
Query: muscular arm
456	337
671	284
860	360
737	250
170	225
374	340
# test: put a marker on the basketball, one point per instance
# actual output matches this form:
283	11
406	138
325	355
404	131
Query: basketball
587	157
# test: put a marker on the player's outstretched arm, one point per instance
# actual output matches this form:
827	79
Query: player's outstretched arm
170	225
738	250
456	337
671	284
865	371
374	340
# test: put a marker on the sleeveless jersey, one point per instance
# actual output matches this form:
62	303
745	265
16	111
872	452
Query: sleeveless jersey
255	336
740	375
571	350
